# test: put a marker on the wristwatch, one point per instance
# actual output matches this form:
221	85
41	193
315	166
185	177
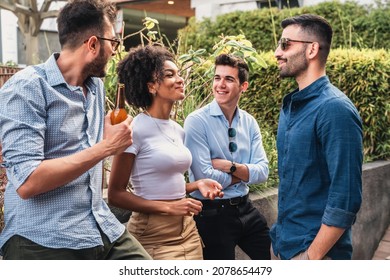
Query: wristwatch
232	168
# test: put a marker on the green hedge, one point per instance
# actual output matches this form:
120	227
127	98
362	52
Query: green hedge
363	75
354	26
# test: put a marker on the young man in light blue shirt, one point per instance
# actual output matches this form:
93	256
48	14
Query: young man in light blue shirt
226	146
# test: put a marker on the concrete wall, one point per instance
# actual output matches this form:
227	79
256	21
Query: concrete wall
374	216
372	219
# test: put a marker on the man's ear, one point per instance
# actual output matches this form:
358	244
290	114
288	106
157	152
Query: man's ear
313	50
244	86
92	44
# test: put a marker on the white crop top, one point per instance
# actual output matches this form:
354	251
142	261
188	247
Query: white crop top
160	163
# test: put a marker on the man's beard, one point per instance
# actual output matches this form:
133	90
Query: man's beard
294	66
97	68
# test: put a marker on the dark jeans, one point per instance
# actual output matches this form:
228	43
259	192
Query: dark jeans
222	228
125	248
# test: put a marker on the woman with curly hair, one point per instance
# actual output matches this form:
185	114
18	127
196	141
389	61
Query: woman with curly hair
162	216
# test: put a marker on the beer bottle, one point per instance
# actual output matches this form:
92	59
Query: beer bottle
119	113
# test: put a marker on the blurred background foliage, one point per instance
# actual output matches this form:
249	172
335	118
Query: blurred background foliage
353	25
359	64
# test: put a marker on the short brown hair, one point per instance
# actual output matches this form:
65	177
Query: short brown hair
80	19
235	62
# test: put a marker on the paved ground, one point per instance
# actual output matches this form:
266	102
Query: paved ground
383	250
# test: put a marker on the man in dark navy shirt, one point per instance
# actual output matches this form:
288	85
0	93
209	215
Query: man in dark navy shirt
320	151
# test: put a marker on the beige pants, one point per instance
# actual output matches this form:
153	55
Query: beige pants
299	256
167	237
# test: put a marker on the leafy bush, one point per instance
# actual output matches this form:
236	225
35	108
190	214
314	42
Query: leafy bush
197	69
354	25
346	69
363	75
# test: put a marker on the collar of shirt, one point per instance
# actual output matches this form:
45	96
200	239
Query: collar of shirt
307	93
55	77
216	111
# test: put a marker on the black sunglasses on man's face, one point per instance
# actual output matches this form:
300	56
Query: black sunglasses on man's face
284	43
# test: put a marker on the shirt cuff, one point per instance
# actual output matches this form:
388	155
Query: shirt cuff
20	172
338	218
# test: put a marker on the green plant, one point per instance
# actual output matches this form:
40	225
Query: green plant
353	25
370	94
198	69
196	66
263	99
9	63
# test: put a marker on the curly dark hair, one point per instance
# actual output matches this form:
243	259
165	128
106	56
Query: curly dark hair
80	19
142	65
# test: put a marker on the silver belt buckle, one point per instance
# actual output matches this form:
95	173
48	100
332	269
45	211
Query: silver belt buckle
235	201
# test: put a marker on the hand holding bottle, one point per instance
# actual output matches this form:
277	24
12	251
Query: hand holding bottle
119	113
119	136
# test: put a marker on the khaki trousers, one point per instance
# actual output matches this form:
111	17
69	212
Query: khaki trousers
300	256
167	237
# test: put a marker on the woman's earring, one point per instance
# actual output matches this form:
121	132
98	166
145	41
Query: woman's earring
153	93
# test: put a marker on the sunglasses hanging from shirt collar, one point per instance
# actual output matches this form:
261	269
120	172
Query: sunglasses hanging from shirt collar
232	144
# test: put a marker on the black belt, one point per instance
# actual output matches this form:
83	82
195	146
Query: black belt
224	203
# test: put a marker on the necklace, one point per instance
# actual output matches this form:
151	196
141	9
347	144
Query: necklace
171	139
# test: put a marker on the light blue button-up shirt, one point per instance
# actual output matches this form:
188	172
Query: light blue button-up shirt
42	117
206	136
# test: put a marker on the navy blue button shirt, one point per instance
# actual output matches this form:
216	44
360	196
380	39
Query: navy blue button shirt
42	117
320	154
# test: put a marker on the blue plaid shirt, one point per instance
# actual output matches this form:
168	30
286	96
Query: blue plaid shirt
42	117
320	154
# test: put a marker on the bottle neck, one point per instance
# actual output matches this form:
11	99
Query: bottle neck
120	97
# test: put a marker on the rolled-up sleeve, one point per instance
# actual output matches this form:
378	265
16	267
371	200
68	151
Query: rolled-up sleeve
340	132
22	133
